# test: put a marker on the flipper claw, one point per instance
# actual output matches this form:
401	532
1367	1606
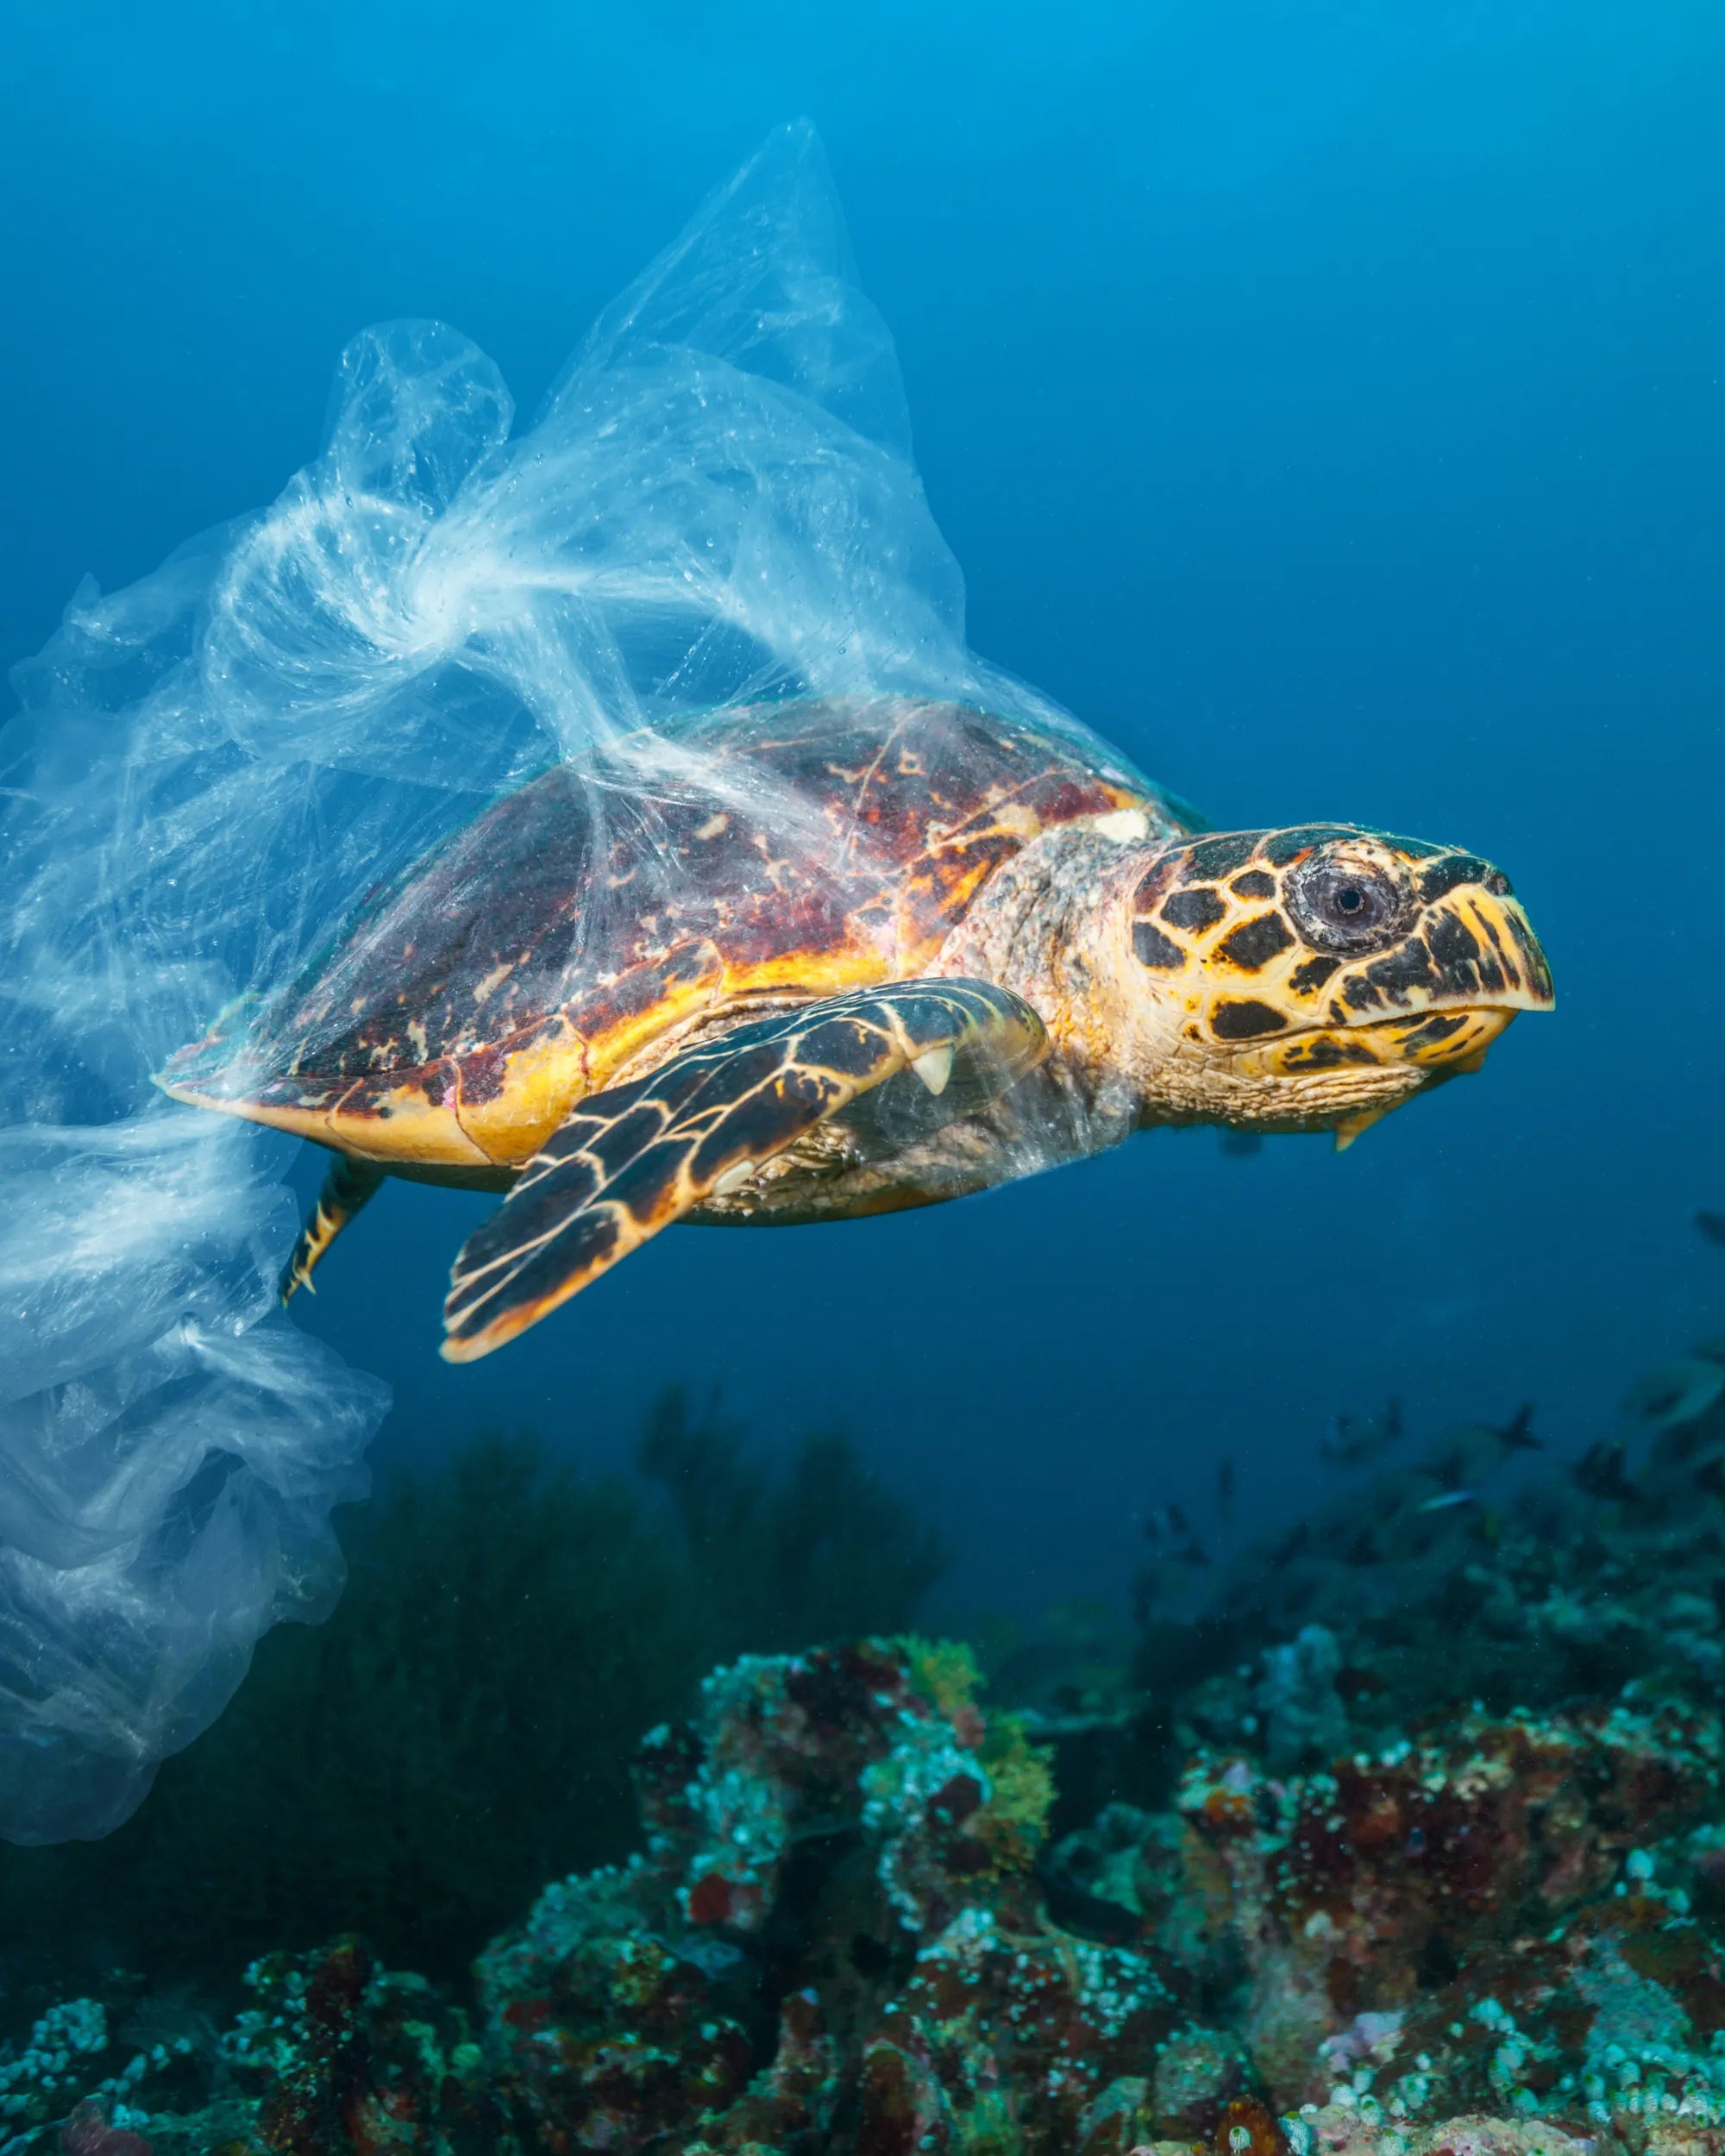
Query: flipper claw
349	1188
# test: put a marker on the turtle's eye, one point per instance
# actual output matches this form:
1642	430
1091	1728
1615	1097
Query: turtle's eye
1342	904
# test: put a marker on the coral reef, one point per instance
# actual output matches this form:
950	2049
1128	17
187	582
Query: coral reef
1329	1906
361	1781
837	1937
1597	1571
834	1909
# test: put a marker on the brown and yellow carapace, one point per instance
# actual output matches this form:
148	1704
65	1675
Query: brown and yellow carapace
847	958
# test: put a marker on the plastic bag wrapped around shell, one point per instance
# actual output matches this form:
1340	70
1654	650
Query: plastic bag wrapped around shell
217	770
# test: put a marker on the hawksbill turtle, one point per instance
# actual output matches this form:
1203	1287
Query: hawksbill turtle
857	956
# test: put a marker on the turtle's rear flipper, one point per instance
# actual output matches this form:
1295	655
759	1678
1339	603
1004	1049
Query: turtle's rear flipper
627	1163
349	1188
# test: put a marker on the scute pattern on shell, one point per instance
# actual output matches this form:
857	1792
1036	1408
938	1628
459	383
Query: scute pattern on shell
803	851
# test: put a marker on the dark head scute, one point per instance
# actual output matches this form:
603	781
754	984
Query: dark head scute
1255	942
1254	884
1282	847
1215	858
1443	876
1155	949
1311	973
1428	1032
1245	1020
1327	1053
1402	970
1194	911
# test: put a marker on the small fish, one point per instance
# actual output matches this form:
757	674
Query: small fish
1600	1472
1712	1226
1392	1494
1224	1489
1517	1434
1448	1498
1478	1448
1673	1393
1242	1145
1171	1537
1356	1440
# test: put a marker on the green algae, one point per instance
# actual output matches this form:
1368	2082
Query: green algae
1013	1819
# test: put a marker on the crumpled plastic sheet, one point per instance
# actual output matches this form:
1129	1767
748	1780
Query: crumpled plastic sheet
715	509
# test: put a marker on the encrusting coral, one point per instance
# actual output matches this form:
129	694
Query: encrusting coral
827	1944
1337	1913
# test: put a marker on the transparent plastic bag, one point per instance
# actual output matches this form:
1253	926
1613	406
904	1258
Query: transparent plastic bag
170	1447
714	516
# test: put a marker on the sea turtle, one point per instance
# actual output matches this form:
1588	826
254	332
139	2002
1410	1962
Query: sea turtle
850	957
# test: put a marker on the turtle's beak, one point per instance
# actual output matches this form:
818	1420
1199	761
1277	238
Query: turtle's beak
1486	954
1487	968
1423	1013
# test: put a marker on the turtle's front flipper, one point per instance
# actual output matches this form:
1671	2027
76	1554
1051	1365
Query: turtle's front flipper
349	1186
629	1162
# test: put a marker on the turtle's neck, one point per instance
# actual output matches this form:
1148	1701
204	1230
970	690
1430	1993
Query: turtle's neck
1038	927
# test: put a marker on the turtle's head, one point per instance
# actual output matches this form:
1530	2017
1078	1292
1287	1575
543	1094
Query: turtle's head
1315	978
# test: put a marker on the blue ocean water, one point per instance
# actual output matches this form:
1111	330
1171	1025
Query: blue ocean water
1324	403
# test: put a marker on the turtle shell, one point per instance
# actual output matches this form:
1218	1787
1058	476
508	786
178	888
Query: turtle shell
774	854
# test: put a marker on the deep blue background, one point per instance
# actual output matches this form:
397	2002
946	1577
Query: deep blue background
1323	400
